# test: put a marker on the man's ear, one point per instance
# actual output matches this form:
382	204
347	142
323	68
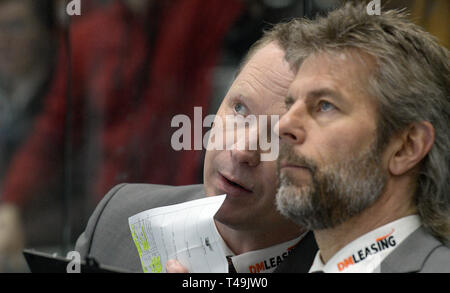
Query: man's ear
411	146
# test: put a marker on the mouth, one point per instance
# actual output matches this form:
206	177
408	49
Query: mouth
233	186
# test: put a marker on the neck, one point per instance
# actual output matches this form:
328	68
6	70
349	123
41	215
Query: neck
244	240
389	207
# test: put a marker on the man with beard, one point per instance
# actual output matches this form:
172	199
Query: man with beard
253	232
364	159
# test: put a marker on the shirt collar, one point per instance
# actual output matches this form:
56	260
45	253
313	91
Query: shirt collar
365	254
263	260
318	265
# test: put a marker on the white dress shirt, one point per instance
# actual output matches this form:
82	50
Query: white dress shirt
263	260
365	254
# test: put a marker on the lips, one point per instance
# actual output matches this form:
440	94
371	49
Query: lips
233	186
293	165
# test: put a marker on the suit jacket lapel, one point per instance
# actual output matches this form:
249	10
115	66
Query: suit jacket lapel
301	257
411	254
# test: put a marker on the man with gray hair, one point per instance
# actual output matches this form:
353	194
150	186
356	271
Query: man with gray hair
364	159
254	236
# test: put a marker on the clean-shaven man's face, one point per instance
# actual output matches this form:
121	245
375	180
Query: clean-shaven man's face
249	182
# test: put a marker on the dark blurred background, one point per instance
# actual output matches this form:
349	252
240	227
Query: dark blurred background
86	101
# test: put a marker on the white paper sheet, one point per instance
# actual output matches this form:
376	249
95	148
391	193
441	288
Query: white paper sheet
185	232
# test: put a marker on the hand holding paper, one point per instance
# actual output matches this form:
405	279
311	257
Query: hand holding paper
174	266
185	232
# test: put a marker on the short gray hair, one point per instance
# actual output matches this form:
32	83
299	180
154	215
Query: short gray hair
410	82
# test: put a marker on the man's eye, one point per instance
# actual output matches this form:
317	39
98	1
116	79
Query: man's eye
325	106
288	102
240	109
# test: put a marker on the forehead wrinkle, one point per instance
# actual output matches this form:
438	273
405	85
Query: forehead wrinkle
339	71
355	65
266	79
265	70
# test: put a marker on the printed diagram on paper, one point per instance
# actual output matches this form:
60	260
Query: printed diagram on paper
185	232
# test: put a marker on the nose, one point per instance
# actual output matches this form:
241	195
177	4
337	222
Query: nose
290	127
246	150
246	157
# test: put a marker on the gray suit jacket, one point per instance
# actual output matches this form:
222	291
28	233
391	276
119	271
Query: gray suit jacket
108	240
419	253
107	237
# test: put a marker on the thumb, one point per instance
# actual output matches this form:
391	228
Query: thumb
173	266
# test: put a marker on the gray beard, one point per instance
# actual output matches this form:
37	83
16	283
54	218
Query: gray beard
338	192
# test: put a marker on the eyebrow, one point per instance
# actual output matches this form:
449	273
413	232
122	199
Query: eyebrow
322	92
314	95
